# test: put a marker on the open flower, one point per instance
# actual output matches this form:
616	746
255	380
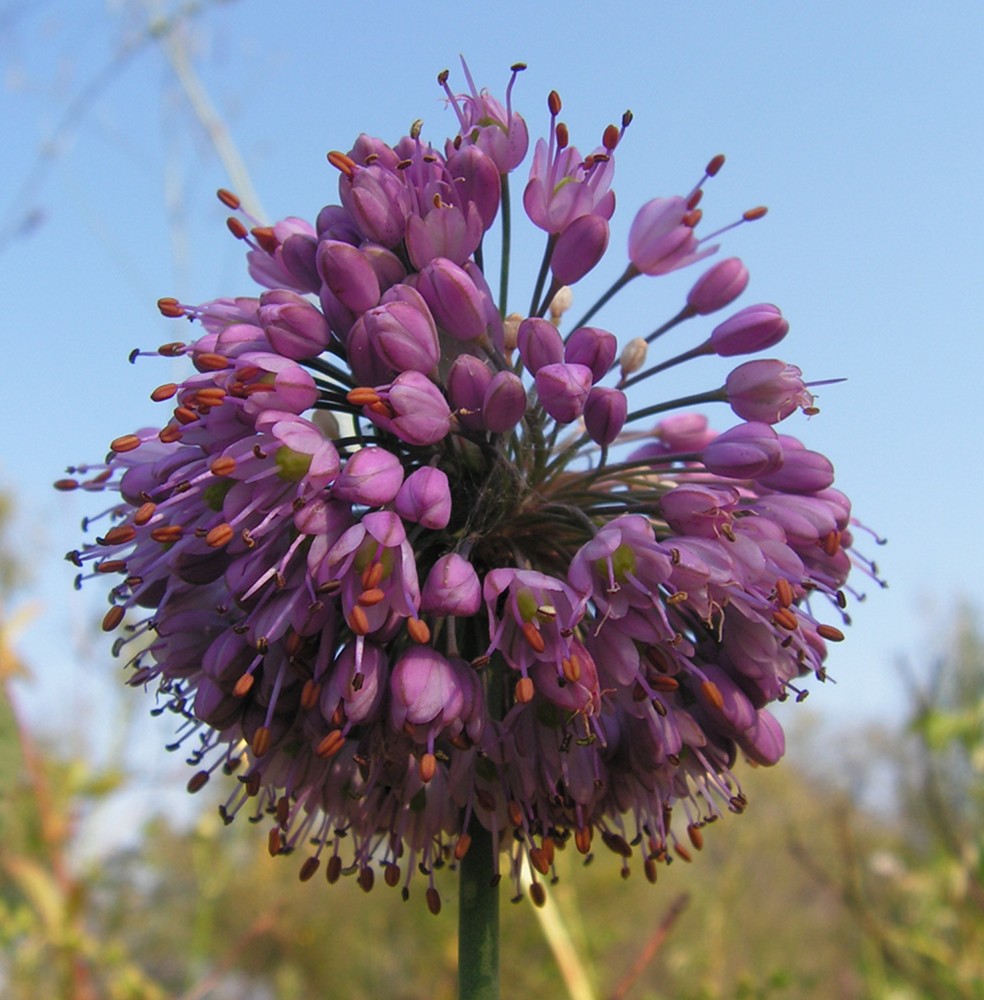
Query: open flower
600	628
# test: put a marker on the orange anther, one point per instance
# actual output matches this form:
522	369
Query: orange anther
515	813
695	835
609	138
330	745
370	598
649	866
582	839
419	631
372	575
831	543
554	104
538	894
366	879
228	199
342	162
170	307
119	535
112	618
66	485
533	637
572	668
663	682
715	165
461	846
538	859
222	466
144	513
266	237
391	875
382	409
427	767
712	693
524	690
163	392
210	361
751	214
166	533
185	416
220	535
785	618
682	852
236	227
358	622
169	434
784	592
333	869
310	694
111	566
830	632
262	739
125	443
243	686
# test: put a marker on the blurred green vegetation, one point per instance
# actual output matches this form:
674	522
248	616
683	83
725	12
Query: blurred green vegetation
814	892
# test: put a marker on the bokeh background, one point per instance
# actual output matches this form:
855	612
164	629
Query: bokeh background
858	124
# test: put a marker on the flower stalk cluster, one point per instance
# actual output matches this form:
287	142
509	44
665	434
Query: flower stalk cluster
410	565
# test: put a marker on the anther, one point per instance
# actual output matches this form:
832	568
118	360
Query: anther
785	618
111	566
169	434
170	307
163	392
831	543
715	165
538	859
533	637
419	631
571	667
461	846
696	837
228	199
262	739
210	361
712	693
514	812
538	894
366	879
563	136
830	632
309	869
427	767
651	870
223	466
197	781
243	686
342	162
166	533
333	869
184	416
112	618
616	843
119	535
682	852
283	811
433	898
751	214
610	137
370	598
125	443
173	349
310	694
275	842
391	875
784	593
66	485
236	227
330	745
524	690
144	513
554	103
266	237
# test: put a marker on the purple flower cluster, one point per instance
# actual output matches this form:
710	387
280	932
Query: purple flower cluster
397	563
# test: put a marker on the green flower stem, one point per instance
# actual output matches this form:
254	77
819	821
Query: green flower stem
506	235
478	920
716	396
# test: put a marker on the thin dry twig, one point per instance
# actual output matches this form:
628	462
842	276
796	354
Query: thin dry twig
652	947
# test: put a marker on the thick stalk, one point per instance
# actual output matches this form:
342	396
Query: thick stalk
478	920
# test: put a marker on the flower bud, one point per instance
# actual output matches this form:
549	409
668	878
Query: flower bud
747	451
767	390
425	498
377	201
446	231
633	356
399	335
424	690
476	181
468	379
579	248
563	390
751	329
802	471
420	412
504	403
372	477
539	344
605	413
718	287
294	327
764	742
350	276
453	299
388	267
452	588
659	239
698	511
298	255
593	347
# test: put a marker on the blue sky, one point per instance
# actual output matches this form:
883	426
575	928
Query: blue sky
859	124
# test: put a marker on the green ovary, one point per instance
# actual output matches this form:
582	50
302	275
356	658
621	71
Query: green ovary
292	465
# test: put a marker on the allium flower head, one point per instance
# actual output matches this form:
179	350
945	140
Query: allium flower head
407	557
